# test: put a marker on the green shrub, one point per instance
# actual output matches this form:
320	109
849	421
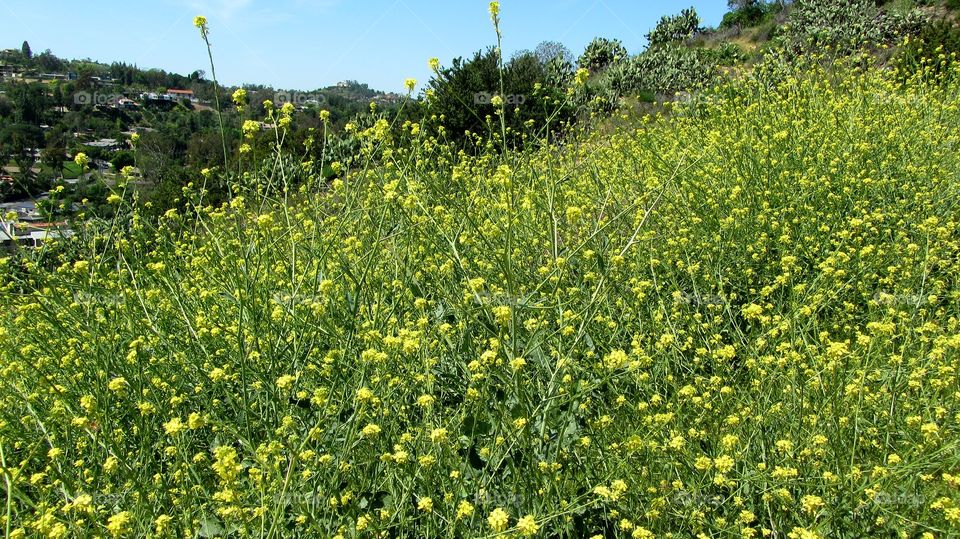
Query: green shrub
743	17
673	28
462	94
664	70
602	53
728	53
935	50
847	26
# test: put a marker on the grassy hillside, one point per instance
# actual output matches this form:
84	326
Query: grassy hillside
736	320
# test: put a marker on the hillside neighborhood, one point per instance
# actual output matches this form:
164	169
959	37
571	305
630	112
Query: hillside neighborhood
52	110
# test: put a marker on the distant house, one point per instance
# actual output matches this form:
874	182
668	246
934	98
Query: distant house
181	94
170	96
26	210
388	98
48	77
137	130
126	103
122	103
108	144
11	235
151	96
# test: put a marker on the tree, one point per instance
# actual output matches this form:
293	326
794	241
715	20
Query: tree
20	142
25	50
745	13
6	108
456	88
123	158
48	62
52	157
549	51
463	95
57	96
30	102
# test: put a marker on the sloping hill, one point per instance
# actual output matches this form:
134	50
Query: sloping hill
738	319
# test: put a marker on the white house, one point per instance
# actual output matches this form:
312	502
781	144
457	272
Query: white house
11	237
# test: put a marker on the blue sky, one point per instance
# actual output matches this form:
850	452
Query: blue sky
309	44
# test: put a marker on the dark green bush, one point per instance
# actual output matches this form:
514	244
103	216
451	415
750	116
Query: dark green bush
462	94
745	16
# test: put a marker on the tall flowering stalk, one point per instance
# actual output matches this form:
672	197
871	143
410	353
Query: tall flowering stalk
505	170
201	23
498	100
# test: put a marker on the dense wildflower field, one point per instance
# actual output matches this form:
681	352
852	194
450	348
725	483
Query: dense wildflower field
736	319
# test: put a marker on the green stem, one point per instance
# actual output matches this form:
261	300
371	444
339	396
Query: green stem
6	480
216	98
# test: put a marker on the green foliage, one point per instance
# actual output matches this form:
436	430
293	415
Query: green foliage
6	107
674	28
30	104
744	14
847	26
558	63
548	51
933	52
462	94
123	158
49	63
52	158
19	140
672	70
558	72
602	53
71	170
726	54
601	95
665	70
454	89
